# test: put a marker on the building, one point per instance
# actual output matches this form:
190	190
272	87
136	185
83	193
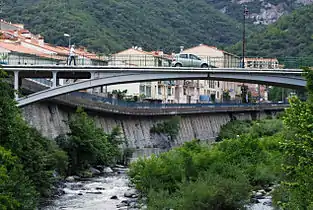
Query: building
220	59
19	46
155	90
260	91
262	63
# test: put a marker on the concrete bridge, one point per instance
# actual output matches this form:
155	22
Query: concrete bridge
106	75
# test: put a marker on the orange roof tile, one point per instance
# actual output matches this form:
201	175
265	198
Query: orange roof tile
17	47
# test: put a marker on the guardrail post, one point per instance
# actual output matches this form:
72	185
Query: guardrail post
54	79
16	80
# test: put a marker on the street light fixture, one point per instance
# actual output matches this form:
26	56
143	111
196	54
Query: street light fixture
69	39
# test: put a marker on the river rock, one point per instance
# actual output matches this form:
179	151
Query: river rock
96	192
262	191
107	170
70	179
114	197
268	203
121	205
94	171
100	188
259	195
130	193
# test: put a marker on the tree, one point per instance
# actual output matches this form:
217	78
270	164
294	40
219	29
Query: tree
16	190
296	191
39	156
120	94
87	145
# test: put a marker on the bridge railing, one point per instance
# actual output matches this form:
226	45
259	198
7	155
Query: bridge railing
151	60
141	105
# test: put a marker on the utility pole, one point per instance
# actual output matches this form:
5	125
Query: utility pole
245	13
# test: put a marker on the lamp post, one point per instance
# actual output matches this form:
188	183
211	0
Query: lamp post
69	39
245	13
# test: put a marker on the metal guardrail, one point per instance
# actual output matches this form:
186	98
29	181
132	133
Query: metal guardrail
158	61
130	104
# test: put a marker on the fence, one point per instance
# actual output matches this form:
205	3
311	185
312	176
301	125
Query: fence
122	103
159	61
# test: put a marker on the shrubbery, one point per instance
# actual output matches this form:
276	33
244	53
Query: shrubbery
197	176
169	127
30	164
87	145
35	157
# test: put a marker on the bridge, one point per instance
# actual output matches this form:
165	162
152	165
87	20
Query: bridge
105	75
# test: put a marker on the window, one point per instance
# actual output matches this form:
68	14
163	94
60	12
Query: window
148	91
194	57
169	91
159	91
142	89
183	56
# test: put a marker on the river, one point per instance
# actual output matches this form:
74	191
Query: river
96	193
93	194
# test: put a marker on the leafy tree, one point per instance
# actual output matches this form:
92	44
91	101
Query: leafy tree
120	94
296	190
88	145
39	156
16	190
152	25
289	39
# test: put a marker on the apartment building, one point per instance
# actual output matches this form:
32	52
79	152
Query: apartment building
136	56
220	59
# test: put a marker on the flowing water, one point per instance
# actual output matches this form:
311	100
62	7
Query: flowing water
94	194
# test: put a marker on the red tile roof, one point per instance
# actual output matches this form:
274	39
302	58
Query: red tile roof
17	47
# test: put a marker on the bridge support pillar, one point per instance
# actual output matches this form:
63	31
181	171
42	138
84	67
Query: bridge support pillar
16	86
54	79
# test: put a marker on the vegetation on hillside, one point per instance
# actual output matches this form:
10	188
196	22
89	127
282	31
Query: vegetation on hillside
290	36
109	26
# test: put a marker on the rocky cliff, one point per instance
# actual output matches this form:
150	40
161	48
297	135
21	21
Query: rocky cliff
260	11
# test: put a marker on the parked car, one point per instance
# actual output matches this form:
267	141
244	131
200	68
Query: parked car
188	60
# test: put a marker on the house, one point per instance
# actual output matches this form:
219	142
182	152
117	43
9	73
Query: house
155	90
221	59
262	63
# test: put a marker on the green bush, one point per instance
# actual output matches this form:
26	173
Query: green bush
87	145
233	129
226	190
196	176
16	190
39	156
169	127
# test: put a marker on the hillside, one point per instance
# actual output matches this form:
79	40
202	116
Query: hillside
261	12
112	25
291	35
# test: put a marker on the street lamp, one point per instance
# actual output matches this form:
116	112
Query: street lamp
245	13
69	39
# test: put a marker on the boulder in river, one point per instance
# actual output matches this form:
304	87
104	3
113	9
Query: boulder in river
130	193
114	197
94	171
107	170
